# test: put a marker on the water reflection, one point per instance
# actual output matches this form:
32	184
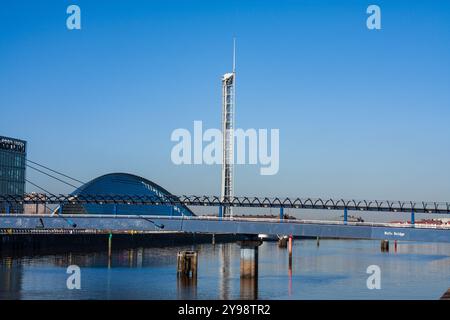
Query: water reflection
249	273
249	288
290	276
186	288
335	270
10	279
225	253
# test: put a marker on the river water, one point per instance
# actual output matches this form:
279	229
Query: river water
336	269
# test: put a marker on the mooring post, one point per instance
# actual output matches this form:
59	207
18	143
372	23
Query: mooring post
290	246
384	245
345	215
187	263
413	220
281	213
109	244
282	242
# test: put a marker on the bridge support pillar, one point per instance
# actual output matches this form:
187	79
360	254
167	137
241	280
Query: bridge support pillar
249	268
249	258
384	245
281	213
413	220
220	212
187	264
8	208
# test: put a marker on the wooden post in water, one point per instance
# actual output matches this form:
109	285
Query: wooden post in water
187	274
187	263
384	245
282	242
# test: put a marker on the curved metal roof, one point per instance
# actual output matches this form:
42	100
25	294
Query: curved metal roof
128	184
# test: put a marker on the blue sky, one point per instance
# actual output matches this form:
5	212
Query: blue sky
361	113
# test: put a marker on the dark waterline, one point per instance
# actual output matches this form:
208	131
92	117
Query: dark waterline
334	270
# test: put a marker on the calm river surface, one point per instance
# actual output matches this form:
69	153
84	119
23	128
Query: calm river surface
334	270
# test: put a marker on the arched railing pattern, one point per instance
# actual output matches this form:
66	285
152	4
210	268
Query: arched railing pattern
214	201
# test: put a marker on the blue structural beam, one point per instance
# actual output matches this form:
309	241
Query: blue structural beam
345	216
281	213
413	220
233	226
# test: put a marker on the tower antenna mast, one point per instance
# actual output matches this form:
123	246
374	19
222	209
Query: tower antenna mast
234	55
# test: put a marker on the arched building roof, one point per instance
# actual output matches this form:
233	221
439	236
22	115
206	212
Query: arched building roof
126	184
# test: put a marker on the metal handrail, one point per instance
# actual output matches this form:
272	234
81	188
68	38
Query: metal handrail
244	202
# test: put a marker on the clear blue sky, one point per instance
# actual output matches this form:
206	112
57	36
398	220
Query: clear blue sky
362	114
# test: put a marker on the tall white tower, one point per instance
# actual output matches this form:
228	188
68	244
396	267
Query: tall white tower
228	100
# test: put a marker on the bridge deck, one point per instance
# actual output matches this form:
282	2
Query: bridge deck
327	229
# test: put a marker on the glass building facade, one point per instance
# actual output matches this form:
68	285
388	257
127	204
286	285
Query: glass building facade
12	170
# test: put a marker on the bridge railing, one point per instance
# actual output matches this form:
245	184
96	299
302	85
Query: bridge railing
245	202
